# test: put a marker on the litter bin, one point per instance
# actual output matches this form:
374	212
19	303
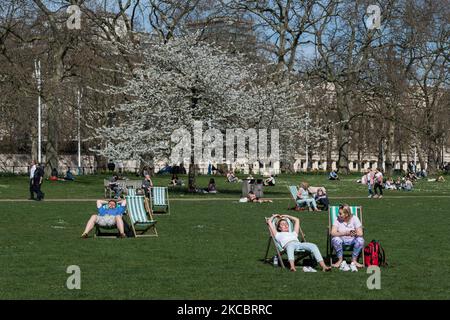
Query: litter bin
255	185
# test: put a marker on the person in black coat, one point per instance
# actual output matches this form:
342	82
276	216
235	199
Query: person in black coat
37	182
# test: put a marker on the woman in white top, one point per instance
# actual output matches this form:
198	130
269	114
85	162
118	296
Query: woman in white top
289	240
347	230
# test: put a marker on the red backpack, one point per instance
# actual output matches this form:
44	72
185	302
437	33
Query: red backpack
374	254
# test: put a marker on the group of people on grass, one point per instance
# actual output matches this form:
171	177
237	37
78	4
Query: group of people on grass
346	231
67	177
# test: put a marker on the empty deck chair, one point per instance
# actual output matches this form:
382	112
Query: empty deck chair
141	219
160	200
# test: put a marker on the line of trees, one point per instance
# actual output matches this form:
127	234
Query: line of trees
311	68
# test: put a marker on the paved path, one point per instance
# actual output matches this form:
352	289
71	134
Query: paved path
230	199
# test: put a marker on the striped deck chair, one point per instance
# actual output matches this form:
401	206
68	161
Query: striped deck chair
333	213
131	191
106	232
299	254
160	200
293	191
141	220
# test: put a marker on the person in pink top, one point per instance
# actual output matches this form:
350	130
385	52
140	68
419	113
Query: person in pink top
347	230
378	183
370	177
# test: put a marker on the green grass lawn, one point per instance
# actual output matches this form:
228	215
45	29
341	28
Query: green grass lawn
212	249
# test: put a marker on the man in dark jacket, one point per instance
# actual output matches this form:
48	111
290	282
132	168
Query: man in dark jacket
37	182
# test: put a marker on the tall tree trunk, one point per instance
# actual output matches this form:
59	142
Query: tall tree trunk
343	132
51	147
400	155
380	154
432	157
53	110
329	166
389	164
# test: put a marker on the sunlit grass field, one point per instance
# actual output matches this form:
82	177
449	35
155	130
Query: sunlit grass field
211	246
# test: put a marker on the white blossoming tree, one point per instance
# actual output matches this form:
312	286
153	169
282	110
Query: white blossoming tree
182	81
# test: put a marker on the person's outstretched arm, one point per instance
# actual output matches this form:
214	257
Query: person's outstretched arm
271	227
296	222
100	203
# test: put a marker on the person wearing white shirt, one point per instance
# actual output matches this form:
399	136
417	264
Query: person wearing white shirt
32	171
289	240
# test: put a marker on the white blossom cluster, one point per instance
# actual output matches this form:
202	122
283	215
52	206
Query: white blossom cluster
186	80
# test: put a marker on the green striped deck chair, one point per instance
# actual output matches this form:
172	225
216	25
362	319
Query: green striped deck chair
299	254
141	220
160	200
333	213
293	191
106	232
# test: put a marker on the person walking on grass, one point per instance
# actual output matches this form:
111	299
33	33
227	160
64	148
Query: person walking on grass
370	176
378	183
38	178
31	184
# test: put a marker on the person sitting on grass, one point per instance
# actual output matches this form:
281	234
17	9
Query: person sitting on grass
253	198
289	240
54	176
398	183
347	230
175	181
322	199
390	185
211	186
270	181
333	175
407	185
69	176
303	197
107	217
231	177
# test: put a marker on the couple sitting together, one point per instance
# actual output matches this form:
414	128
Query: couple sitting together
346	230
312	197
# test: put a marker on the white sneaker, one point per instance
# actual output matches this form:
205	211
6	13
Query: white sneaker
344	266
309	269
353	267
370	196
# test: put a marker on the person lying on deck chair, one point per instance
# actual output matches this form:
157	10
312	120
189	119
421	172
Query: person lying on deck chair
107	217
289	240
